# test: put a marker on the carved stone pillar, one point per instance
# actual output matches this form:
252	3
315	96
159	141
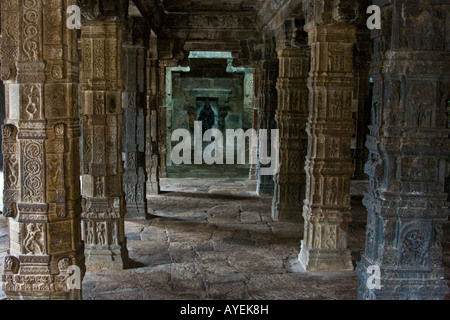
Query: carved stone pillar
408	146
41	150
447	178
134	103
153	102
291	118
162	118
329	165
253	174
266	115
102	189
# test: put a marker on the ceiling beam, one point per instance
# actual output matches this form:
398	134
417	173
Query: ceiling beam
152	11
273	13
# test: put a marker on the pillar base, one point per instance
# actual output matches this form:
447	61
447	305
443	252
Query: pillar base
73	295
265	185
401	284
153	189
253	174
30	277
311	259
163	172
286	213
136	213
294	266
113	258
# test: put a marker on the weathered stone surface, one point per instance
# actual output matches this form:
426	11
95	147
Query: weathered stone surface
249	270
249	217
328	163
41	195
215	238
291	118
267	110
102	166
134	128
186	278
409	146
153	78
310	286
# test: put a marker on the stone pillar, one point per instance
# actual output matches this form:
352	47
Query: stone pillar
102	189
253	174
447	178
162	118
409	146
134	103
41	151
267	109
153	102
329	165
291	118
2	114
362	94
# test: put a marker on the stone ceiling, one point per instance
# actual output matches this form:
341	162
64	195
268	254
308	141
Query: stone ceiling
212	5
264	12
214	25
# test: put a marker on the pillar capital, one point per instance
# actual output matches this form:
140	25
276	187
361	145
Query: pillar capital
331	12
332	33
290	35
104	10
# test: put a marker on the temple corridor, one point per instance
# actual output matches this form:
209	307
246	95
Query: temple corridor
225	149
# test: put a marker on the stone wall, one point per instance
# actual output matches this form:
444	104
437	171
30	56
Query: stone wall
187	91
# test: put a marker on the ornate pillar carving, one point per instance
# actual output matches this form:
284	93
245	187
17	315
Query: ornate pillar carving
41	150
408	145
102	172
153	102
134	105
329	165
291	118
267	109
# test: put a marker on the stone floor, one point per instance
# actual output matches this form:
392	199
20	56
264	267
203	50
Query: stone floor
215	239
208	172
